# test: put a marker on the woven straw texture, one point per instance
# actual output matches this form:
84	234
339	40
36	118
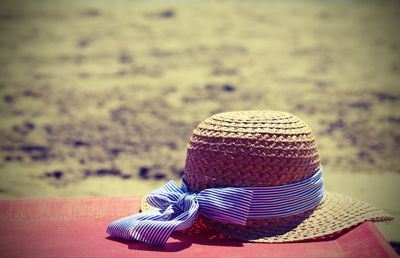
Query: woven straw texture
266	148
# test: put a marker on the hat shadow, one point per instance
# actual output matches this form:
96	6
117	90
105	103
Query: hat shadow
168	247
202	234
198	234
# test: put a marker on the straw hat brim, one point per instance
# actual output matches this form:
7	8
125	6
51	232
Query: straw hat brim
335	214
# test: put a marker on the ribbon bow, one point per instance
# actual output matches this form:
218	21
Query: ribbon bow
178	209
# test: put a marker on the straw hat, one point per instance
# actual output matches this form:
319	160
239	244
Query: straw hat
267	148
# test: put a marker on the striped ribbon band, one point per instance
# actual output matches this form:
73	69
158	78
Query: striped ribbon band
178	207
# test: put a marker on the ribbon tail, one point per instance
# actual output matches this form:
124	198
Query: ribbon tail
123	227
153	227
154	232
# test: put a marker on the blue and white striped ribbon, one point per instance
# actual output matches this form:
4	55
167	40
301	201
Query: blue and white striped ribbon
178	207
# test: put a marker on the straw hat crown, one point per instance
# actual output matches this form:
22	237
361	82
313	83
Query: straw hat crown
250	148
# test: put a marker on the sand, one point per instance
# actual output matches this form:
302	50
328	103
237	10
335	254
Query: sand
100	99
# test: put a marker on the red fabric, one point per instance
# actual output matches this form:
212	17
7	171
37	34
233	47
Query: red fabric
76	228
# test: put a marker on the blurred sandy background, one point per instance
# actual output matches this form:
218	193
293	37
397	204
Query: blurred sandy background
100	98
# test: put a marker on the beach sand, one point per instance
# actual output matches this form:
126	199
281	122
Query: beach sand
100	99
